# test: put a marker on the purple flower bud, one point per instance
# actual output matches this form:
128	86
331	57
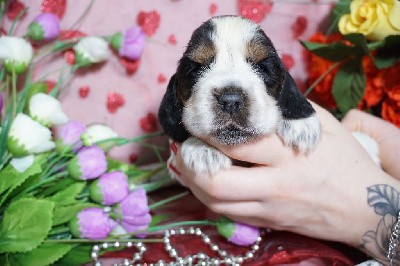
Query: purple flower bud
129	44
89	163
238	233
92	223
110	188
69	136
134	209
129	228
44	27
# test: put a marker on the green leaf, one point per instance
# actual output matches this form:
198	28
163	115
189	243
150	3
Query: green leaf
349	85
26	223
67	196
388	53
66	213
10	179
361	46
159	218
45	254
78	255
54	188
336	51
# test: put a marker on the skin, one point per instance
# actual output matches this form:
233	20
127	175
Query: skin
323	194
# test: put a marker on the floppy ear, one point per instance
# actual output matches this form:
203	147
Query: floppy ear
170	113
291	102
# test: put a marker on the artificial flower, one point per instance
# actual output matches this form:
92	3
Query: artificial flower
22	163
91	50
88	163
27	136
134	209
129	44
238	233
46	110
109	188
44	27
16	53
376	19
130	228
92	223
69	136
98	132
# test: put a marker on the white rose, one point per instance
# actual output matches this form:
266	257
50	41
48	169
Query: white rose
46	110
27	136
16	53
97	132
91	50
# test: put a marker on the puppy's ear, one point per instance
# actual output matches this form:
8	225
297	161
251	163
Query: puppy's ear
291	102
170	113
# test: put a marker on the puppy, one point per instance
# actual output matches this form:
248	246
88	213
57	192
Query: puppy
231	88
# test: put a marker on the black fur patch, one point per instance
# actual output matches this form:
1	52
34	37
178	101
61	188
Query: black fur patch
291	102
170	114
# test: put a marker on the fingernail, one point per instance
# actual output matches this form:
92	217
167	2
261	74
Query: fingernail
173	169
173	147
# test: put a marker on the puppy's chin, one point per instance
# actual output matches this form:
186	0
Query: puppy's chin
233	135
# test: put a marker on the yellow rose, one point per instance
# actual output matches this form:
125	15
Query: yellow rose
376	19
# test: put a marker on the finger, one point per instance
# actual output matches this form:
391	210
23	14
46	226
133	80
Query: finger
268	150
234	184
377	128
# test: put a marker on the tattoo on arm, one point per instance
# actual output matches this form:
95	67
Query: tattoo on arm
386	203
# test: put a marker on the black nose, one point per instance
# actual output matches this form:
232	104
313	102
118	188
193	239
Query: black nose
230	102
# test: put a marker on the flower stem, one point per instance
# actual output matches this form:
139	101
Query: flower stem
332	67
14	91
81	240
183	223
48	180
168	200
152	186
123	141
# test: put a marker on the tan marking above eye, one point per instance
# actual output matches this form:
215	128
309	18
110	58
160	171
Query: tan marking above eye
203	54
255	51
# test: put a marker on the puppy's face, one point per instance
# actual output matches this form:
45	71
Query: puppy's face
228	81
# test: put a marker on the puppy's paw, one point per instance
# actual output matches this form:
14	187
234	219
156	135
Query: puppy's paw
202	158
301	134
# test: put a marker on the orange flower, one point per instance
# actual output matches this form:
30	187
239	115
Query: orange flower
322	92
374	88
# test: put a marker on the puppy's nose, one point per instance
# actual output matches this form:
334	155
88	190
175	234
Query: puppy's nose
230	102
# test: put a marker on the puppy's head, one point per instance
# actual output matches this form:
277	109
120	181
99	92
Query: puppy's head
228	82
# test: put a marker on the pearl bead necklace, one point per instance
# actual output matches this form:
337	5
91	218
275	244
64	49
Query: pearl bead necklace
224	258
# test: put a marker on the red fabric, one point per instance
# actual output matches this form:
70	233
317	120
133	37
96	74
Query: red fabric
276	248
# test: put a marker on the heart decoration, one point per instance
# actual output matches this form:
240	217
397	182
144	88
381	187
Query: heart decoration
256	10
149	21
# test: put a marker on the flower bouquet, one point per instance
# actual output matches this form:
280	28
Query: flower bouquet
355	64
62	198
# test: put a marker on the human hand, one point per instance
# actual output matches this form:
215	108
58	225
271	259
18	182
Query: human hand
322	194
384	133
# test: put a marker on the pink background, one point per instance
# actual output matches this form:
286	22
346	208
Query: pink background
142	91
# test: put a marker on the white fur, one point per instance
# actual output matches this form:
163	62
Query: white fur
230	68
202	158
302	134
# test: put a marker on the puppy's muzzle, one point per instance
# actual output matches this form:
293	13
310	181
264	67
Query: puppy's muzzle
230	100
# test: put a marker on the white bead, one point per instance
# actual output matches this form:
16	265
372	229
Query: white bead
95	248
172	253
222	253
215	247
255	247
116	244
191	230
206	239
94	255
249	255
198	231
182	231
137	256
172	232
104	245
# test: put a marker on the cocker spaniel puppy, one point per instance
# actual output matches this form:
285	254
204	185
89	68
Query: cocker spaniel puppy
231	88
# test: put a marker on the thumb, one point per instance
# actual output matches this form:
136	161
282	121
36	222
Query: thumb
384	133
